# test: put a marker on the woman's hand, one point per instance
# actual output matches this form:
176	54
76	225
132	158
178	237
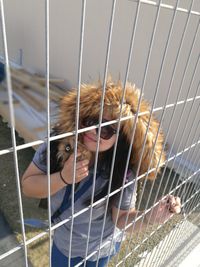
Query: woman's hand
163	211
81	169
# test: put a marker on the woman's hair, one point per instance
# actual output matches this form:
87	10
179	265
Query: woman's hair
147	143
118	170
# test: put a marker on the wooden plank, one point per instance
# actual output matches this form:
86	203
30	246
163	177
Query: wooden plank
29	81
39	106
4	97
52	80
30	113
20	127
30	99
40	129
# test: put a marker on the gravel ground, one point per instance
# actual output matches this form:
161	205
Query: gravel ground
38	251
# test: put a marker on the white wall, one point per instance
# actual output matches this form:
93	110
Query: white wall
25	24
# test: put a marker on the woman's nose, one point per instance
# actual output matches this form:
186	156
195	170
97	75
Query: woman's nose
93	131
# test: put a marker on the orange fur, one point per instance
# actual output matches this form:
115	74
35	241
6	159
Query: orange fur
90	104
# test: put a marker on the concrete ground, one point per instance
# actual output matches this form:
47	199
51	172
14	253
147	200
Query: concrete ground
180	248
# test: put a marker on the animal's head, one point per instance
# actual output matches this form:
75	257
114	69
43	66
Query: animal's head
66	148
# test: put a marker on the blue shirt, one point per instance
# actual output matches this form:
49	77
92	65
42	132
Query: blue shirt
81	222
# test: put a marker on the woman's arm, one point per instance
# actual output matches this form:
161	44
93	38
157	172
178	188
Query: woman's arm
35	182
157	215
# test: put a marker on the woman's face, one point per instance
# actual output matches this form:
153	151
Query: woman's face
90	137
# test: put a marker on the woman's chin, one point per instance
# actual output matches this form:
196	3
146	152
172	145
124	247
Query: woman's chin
90	146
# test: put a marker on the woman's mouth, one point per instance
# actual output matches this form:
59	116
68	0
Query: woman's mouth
89	138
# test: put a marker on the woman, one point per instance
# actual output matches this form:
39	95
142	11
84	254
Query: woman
34	180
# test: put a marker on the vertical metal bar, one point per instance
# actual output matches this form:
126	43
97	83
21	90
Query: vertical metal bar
119	121
77	120
160	74
189	190
162	178
167	6
133	133
118	125
100	120
178	128
180	188
166	47
186	159
137	247
184	149
175	157
12	120
181	231
48	121
170	241
188	118
171	81
170	244
170	87
186	143
195	161
177	95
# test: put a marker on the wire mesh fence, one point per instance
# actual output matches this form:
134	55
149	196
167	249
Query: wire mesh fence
174	101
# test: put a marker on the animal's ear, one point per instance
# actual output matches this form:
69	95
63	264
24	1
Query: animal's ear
65	149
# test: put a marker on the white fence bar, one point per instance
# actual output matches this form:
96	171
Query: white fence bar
172	180
176	234
177	98
44	233
12	119
169	239
172	148
52	138
77	119
142	87
48	122
163	5
41	235
170	83
119	120
182	186
158	83
101	117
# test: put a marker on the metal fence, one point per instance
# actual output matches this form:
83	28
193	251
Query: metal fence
157	246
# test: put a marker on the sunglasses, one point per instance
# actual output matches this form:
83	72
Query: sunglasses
106	131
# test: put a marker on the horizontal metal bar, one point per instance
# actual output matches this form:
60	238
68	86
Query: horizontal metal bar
44	233
11	251
53	138
94	204
111	194
177	226
138	246
153	3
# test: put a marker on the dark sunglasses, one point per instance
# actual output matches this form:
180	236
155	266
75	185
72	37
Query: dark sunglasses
106	131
